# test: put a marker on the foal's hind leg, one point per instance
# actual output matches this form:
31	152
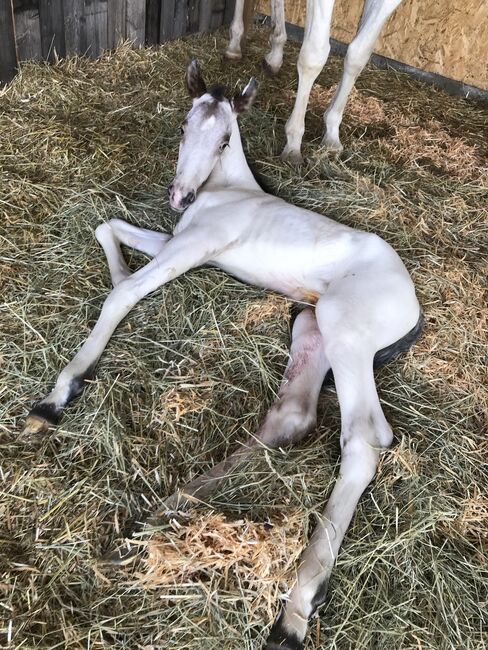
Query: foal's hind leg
375	14
355	321
112	234
291	417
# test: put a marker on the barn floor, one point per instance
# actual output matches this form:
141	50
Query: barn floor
193	368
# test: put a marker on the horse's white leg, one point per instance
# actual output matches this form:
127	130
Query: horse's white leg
291	417
116	232
240	22
356	320
375	14
182	252
313	55
273	60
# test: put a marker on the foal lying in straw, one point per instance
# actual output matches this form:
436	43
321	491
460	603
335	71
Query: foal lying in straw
365	313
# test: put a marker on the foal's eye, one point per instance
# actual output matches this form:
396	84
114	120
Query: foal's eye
223	146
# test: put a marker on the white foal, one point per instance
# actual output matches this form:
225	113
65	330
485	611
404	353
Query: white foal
313	55
366	312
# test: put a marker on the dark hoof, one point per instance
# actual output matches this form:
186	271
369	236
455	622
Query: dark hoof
268	70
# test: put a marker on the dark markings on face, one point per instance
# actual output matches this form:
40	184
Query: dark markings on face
210	108
280	639
217	92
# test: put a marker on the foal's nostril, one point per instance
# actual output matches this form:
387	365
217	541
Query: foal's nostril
189	198
170	188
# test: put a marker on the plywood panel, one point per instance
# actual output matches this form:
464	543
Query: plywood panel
443	36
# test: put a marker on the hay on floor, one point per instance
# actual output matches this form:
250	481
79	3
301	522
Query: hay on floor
192	370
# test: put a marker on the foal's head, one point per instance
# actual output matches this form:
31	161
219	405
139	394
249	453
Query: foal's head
205	132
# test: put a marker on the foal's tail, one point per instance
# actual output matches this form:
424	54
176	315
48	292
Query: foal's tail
399	347
391	352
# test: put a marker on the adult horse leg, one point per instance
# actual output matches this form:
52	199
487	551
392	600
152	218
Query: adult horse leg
313	55
243	14
375	14
272	62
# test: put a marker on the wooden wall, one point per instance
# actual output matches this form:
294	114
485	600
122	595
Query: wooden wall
448	37
46	29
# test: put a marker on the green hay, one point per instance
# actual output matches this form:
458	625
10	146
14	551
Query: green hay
192	369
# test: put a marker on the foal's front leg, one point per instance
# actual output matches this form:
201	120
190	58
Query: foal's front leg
110	235
190	248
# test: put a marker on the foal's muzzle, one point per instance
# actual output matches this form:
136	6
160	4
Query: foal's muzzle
178	200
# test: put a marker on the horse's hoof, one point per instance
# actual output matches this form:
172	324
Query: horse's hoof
331	145
292	156
231	55
268	69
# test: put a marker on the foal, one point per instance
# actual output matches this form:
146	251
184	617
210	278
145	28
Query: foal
313	55
366	311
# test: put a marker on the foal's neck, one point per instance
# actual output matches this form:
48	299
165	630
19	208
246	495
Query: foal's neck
232	170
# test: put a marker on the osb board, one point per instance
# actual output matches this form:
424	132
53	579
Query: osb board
448	37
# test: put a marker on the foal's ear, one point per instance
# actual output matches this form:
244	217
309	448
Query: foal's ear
194	80
244	100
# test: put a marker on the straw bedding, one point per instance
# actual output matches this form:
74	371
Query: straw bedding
194	367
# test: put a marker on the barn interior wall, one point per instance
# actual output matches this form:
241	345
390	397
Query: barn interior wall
448	37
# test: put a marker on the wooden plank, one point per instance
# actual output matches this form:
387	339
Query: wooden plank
101	15
136	21
74	26
166	29
206	9
51	18
28	32
153	17
230	6
116	22
181	17
193	16
216	20
96	27
8	51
